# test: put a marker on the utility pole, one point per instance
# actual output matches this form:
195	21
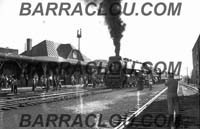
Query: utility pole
79	35
187	76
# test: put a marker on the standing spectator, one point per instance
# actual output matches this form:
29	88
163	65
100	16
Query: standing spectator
15	84
73	79
46	79
34	84
21	80
10	83
1	81
50	80
43	81
172	98
150	81
81	80
58	81
54	82
35	80
6	81
140	81
85	80
26	79
94	79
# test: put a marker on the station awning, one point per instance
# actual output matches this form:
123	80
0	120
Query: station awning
47	59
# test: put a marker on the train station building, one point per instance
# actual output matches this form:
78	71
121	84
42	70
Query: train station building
45	59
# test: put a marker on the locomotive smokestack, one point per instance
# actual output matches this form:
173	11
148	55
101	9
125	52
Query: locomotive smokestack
117	47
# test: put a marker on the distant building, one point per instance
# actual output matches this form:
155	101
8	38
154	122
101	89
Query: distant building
196	59
8	51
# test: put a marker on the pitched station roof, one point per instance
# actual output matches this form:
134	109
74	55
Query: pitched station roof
50	49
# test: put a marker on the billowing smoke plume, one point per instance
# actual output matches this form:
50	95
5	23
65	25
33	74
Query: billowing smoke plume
114	22
116	26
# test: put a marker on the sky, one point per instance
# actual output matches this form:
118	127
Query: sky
146	38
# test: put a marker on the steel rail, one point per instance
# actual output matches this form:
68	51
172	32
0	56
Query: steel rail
21	102
136	113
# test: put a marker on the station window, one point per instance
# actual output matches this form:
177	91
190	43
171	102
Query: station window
75	55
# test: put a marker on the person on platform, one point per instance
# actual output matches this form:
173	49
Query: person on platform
15	84
172	98
55	85
73	79
10	83
47	83
58	82
35	81
6	81
85	80
1	81
150	81
26	79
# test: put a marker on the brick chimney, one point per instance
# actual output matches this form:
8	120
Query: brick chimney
28	44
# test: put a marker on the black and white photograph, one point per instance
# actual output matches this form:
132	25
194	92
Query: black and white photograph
99	64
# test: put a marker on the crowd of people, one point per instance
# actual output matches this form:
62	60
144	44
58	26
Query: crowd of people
47	82
55	81
9	81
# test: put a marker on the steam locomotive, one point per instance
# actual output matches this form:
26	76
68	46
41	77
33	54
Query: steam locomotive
118	74
122	73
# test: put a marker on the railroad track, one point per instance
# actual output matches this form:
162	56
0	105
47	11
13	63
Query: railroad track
195	89
153	115
44	98
127	117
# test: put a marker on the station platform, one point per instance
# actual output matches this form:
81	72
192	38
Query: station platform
6	93
156	115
